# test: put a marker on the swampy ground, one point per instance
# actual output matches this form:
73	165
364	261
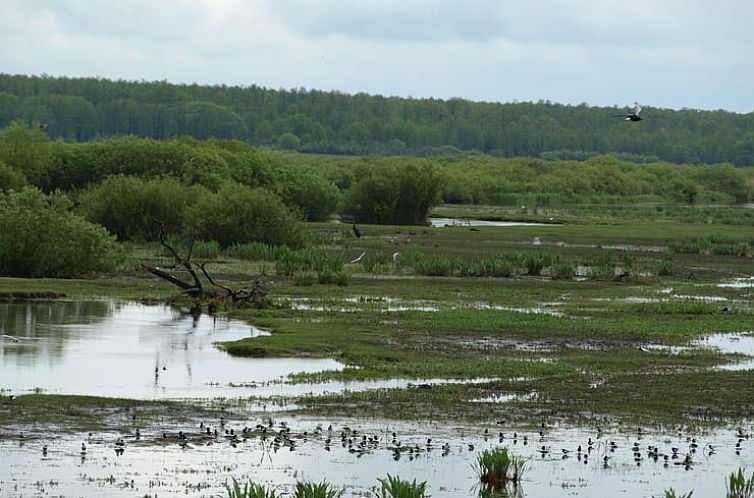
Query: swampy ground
613	340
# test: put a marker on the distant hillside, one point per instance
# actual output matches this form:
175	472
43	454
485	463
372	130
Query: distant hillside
83	109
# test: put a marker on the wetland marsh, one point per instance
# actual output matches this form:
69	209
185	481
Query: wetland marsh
657	339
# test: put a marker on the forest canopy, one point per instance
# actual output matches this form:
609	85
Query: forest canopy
83	109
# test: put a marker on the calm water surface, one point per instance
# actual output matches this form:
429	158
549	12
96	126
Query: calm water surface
130	350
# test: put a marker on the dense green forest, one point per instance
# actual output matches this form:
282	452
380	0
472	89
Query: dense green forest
82	109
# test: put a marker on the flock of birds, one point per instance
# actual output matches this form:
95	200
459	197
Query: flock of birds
274	437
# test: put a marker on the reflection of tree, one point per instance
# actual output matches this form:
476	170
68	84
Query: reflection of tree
45	327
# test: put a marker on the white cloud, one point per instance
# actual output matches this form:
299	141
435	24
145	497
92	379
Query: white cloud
673	53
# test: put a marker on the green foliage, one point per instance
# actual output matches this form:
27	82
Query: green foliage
394	194
209	163
434	265
395	487
316	196
713	244
10	179
316	490
739	486
206	249
665	267
535	263
43	238
289	141
256	251
290	262
129	206
327	276
236	214
249	490
497	468
563	271
671	493
26	150
337	123
499	266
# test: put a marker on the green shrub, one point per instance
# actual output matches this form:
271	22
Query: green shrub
236	214
396	194
316	196
129	206
41	237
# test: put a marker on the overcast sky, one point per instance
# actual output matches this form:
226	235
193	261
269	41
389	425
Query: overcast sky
664	53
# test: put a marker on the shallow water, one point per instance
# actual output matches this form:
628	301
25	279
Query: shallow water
130	350
465	222
739	283
731	343
446	463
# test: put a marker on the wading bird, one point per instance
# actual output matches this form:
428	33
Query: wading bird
356	231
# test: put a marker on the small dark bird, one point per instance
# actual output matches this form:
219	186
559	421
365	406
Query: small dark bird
356	231
632	116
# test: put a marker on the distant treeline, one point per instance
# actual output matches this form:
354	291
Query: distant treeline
83	109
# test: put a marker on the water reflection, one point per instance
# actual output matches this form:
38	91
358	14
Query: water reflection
465	222
564	462
130	350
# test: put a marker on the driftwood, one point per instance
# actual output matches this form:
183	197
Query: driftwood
195	287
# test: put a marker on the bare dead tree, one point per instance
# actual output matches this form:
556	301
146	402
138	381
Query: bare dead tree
195	287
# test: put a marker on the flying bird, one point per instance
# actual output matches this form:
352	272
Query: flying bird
632	116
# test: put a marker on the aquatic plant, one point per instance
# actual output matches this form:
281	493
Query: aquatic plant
206	249
665	267
395	487
498	468
327	276
255	251
563	271
308	260
316	490
534	263
436	265
249	490
671	493
739	486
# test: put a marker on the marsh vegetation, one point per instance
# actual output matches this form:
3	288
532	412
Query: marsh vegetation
602	316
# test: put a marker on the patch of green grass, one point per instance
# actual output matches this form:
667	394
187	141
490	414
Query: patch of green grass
395	487
739	486
498	469
305	489
249	490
